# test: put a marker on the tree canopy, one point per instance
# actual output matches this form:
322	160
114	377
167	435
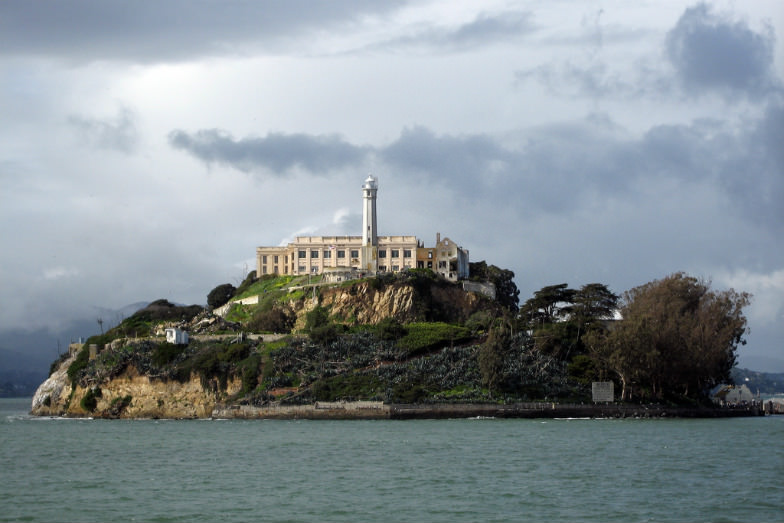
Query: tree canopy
677	338
507	293
220	295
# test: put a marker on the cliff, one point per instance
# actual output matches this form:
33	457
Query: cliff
128	395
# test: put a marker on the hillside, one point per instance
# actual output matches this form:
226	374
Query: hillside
409	337
404	338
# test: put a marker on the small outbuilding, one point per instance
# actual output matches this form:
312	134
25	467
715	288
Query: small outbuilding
176	336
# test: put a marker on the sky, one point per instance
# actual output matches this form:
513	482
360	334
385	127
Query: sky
147	148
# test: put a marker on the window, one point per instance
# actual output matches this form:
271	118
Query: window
429	265
314	254
264	260
430	256
314	270
382	268
264	270
395	268
354	254
395	253
301	269
382	253
327	254
275	259
341	253
406	253
442	265
302	254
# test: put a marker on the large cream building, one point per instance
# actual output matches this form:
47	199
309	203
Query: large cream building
342	257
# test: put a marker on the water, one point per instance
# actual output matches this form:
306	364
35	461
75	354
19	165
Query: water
440	470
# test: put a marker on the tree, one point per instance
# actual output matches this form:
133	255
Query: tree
220	295
548	304
492	356
592	303
677	338
506	292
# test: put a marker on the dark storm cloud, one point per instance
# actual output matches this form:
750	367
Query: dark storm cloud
710	51
276	152
458	159
117	133
550	169
153	31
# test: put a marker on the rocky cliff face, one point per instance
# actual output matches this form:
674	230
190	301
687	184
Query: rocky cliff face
129	395
366	303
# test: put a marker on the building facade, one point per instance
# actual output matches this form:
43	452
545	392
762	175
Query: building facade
368	254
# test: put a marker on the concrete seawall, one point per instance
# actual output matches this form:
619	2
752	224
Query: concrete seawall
379	410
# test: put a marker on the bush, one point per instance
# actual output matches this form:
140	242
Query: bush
347	387
90	399
220	295
274	319
166	352
422	337
390	329
79	364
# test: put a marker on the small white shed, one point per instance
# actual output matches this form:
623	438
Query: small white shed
176	336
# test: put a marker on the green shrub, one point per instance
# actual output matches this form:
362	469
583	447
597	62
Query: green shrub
347	387
390	329
273	319
90	399
79	364
166	352
423	337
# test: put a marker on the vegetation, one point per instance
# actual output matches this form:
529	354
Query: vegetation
675	340
90	400
220	295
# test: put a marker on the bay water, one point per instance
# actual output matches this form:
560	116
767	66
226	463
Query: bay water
54	469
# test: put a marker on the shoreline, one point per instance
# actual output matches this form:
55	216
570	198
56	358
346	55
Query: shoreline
377	410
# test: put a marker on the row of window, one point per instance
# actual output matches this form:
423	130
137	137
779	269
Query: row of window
326	253
394	253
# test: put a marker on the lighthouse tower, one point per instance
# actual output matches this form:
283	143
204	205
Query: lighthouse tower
369	227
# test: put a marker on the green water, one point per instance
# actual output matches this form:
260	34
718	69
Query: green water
444	470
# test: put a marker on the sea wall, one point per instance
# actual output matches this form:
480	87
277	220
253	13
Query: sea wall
379	410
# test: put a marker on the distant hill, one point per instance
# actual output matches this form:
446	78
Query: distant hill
26	355
764	382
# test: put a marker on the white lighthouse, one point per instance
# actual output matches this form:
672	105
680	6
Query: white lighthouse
369	227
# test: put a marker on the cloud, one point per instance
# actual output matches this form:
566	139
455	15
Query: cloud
152	31
767	288
483	30
55	273
551	168
279	153
712	51
117	133
708	53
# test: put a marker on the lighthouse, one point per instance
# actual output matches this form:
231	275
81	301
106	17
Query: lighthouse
369	227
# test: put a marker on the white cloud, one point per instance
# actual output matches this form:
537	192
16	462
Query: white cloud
767	288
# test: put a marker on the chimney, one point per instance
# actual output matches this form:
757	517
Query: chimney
438	238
